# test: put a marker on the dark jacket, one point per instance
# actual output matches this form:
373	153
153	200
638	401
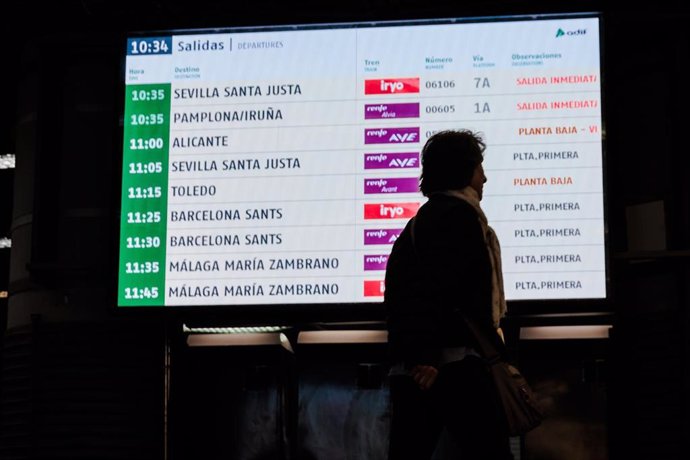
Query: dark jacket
446	272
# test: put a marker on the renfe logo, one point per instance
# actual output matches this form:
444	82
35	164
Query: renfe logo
382	235
391	86
404	160
391	185
391	135
390	210
374	288
377	262
383	111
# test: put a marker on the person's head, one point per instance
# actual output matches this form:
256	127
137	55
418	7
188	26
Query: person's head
451	160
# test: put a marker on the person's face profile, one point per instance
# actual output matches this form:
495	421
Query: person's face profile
478	180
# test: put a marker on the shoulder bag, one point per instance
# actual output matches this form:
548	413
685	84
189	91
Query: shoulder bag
521	409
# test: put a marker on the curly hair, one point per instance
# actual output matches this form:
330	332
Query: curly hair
449	159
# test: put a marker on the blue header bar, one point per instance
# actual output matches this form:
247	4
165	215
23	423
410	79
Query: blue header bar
149	45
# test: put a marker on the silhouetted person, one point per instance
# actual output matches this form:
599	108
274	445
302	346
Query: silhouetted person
446	261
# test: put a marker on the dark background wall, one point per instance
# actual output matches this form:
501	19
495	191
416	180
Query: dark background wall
70	364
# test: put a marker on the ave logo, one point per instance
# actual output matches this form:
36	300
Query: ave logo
402	160
391	86
403	137
381	236
403	163
391	135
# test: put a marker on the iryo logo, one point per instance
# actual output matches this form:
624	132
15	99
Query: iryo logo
390	210
391	86
374	288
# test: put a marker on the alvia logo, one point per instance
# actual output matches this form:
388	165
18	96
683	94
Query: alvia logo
570	33
383	111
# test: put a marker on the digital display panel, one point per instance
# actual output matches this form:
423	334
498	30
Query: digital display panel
278	165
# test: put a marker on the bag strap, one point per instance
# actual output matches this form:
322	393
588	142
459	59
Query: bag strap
486	348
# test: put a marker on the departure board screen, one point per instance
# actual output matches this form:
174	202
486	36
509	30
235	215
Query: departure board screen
278	165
